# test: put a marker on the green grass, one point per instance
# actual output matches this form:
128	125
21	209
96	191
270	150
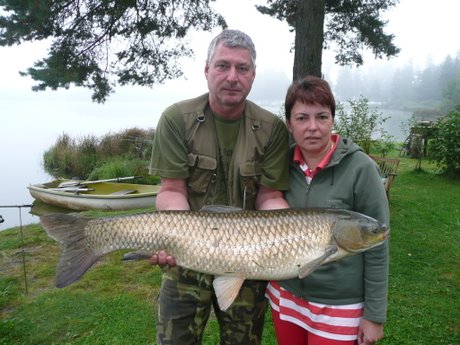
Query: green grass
115	302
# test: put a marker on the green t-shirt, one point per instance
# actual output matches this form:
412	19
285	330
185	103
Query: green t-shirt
227	134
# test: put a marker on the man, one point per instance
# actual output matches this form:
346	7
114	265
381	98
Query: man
218	148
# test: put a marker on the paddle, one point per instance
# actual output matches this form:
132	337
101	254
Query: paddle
74	183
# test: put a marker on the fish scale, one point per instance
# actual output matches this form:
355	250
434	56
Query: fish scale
231	245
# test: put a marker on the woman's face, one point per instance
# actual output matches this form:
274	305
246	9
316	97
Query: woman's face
311	127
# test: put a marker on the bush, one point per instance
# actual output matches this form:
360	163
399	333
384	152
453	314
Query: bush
445	147
361	124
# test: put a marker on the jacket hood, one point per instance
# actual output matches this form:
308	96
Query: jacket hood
345	147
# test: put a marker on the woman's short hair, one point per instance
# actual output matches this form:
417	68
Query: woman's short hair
309	90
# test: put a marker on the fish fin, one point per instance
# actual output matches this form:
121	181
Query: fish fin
220	209
227	288
305	270
76	258
132	256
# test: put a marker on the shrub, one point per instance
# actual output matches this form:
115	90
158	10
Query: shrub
445	147
361	124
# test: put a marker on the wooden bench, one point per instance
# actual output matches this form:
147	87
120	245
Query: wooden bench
388	171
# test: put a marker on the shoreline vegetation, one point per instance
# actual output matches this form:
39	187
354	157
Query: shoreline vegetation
115	302
113	155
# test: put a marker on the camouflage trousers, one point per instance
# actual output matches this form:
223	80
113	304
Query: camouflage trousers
184	305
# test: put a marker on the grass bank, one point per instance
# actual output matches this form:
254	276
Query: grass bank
115	302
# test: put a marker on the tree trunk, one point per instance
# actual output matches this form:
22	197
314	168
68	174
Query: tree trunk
309	28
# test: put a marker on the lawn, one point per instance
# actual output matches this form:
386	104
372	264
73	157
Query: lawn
115	302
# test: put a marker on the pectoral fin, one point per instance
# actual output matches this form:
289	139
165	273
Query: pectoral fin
306	269
226	289
132	256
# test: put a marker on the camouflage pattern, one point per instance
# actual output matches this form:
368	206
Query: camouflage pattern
184	306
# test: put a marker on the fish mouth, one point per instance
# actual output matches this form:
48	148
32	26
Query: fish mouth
386	234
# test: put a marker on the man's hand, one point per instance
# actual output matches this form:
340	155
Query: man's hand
162	259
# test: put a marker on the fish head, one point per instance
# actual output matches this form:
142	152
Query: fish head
356	232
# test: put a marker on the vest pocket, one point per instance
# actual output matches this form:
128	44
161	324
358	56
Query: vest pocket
202	169
250	173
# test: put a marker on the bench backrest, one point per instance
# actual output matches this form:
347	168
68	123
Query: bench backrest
388	170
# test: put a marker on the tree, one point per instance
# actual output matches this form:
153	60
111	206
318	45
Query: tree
351	24
402	86
93	42
451	90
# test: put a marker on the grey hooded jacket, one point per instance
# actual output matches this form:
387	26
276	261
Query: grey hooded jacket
351	181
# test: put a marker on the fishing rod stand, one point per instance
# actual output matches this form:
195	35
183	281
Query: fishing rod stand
20	207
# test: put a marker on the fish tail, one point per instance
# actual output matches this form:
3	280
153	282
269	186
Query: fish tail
76	258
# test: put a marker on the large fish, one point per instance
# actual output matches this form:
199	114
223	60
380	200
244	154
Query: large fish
229	243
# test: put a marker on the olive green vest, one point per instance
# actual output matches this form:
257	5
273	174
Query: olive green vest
245	167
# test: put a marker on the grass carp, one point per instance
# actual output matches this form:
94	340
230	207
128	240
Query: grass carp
231	244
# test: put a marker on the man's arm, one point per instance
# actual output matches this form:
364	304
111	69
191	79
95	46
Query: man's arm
172	196
270	199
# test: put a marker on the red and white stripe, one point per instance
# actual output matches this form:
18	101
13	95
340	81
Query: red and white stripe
338	322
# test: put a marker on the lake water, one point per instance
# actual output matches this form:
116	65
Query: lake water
28	129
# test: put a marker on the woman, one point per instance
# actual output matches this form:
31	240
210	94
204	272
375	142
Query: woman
343	302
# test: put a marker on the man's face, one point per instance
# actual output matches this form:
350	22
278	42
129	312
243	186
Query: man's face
230	75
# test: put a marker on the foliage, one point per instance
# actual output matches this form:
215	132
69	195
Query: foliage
120	166
115	302
362	125
350	25
445	147
96	44
92	156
